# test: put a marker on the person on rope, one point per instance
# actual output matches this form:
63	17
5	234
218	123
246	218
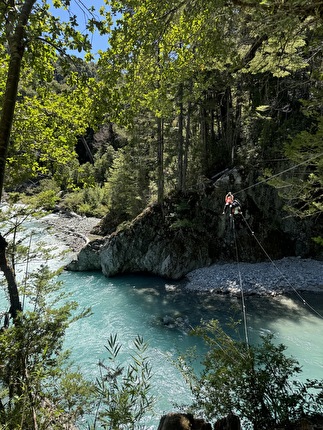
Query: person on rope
232	204
229	198
236	208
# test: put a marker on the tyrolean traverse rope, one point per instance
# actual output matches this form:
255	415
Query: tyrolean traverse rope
244	313
263	249
281	273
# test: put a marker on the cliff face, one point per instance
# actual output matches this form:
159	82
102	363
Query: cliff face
151	245
189	231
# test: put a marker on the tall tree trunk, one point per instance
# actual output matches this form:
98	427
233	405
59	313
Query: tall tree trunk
17	48
160	160
15	305
16	43
204	138
187	144
225	104
237	123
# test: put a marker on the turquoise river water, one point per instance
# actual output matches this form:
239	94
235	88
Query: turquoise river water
131	305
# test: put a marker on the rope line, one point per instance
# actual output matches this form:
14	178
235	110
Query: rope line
281	273
280	173
263	249
244	313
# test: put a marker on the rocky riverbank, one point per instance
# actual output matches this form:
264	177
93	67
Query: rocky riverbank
73	230
265	278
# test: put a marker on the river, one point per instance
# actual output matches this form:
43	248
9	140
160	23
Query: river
131	305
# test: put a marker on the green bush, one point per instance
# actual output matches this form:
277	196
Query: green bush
256	382
124	391
84	209
38	389
66	175
72	200
46	199
89	202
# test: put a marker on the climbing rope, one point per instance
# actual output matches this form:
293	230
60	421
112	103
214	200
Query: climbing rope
280	173
244	313
265	252
281	273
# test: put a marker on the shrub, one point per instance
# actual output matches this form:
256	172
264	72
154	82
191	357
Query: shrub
124	391
255	382
46	199
38	390
89	202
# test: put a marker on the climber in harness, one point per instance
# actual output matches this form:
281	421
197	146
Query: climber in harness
232	205
235	208
229	198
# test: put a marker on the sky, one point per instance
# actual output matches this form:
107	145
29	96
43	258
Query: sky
98	42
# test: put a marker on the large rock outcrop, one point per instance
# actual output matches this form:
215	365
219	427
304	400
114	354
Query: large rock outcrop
89	257
151	246
189	231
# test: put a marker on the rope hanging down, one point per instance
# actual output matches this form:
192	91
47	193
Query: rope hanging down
265	252
281	273
244	313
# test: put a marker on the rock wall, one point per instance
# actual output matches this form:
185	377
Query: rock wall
189	231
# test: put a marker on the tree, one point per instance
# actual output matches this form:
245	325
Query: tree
128	181
15	25
195	66
37	386
302	186
29	35
255	382
49	117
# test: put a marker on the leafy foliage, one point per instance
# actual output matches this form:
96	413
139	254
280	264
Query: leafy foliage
198	86
256	382
47	122
124	391
38	387
204	70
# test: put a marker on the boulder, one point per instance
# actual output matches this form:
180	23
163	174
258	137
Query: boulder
150	245
179	421
230	422
88	258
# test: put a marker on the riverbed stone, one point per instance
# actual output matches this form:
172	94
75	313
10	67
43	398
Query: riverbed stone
181	421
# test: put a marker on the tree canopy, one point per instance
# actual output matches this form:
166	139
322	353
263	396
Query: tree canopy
220	70
215	83
31	39
185	89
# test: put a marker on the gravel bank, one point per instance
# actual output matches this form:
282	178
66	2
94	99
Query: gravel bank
267	278
71	229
